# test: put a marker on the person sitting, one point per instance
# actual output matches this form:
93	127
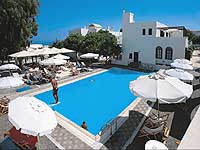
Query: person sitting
74	71
84	126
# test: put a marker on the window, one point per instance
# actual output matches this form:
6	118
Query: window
143	31
159	52
162	34
168	53
130	56
150	31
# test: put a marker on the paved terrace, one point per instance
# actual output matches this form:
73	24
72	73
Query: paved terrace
62	138
180	117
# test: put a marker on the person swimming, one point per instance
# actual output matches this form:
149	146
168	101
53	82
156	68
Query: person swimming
92	80
84	126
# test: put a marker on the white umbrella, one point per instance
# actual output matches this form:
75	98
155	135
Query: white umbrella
180	74
155	145
9	66
158	87
52	61
10	82
89	55
36	46
64	50
24	53
32	116
165	88
46	51
181	65
60	56
183	61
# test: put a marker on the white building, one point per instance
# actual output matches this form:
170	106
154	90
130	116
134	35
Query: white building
95	28
151	42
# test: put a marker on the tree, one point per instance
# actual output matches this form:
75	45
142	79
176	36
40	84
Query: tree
107	43
196	40
90	43
189	34
102	42
58	44
74	42
17	25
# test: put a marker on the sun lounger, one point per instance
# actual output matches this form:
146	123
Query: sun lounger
22	140
5	73
15	74
64	68
4	100
8	143
4	105
3	109
147	131
154	121
84	67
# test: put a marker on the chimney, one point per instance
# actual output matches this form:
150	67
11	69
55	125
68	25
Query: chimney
128	17
108	28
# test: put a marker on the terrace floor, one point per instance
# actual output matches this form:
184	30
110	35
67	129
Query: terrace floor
180	116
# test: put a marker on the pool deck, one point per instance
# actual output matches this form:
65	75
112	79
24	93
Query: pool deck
180	117
63	137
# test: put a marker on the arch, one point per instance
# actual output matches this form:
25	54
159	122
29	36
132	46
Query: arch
168	53
158	52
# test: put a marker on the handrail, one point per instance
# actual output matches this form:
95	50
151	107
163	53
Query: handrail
108	126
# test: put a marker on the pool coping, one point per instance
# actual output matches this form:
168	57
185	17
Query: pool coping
87	137
94	141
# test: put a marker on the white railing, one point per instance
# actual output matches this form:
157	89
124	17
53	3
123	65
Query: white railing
145	66
110	128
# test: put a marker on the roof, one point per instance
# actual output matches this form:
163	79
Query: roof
95	25
35	46
173	27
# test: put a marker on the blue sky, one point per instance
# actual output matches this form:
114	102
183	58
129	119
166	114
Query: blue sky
57	17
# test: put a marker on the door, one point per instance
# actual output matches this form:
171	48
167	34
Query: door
136	56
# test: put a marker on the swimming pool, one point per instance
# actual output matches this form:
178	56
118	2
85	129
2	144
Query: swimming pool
95	99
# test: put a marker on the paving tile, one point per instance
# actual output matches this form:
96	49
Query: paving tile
121	136
67	139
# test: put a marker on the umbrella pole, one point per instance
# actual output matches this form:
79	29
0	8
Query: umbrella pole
158	108
38	141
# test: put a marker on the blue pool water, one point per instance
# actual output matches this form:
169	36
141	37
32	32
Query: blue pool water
96	99
25	88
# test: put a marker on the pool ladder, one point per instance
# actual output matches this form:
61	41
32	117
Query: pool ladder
111	126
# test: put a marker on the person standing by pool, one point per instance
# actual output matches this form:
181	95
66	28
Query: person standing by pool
55	88
84	126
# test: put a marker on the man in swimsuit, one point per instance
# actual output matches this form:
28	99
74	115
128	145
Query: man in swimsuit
55	88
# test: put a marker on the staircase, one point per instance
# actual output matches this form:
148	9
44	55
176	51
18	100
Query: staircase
134	65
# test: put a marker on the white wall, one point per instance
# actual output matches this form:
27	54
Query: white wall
82	31
176	34
159	25
134	41
118	35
